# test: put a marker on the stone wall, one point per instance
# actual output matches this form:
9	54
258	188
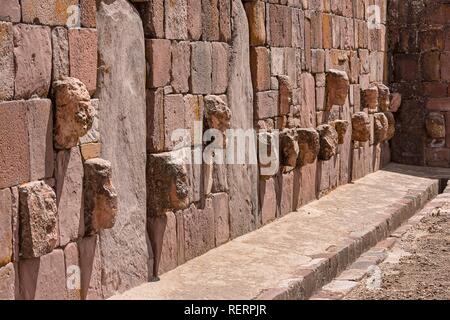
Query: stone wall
311	69
419	61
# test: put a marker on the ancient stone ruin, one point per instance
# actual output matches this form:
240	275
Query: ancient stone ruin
98	183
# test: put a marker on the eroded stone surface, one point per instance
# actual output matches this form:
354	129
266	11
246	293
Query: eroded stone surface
337	86
396	101
7	282
289	149
360	127
370	98
6	60
309	145
391	125
435	124
74	112
341	127
100	196
217	112
6	232
384	97
380	127
284	94
328	141
38	219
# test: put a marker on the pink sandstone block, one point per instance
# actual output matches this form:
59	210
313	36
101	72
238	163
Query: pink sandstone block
6	61
14	149
181	66
169	254
219	53
48	12
60	45
91	268
7	282
6	234
83	56
87	13
43	278
286	193
221	217
268	200
10	10
158	57
33	60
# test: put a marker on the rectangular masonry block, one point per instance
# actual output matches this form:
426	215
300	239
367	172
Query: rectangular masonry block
224	20
83	56
266	104
33	62
219	58
256	22
201	68
60	45
88	11
210	20
73	274
279	25
268	200
298	28
152	15
175	17
181	66
6	61
157	54
221	217
260	68
48	12
10	10
169	253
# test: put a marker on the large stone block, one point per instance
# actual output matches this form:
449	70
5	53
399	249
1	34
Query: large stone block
6	232
221	217
279	24
83	56
286	192
60	45
308	110
88	12
194	7
69	186
309	145
74	112
10	11
256	22
6	60
201	68
381	126
174	114
360	127
152	14
8	283
266	104
337	86
48	12
73	272
169	253
43	278
90	268
124	250
100	196
14	147
307	184
40	133
38	219
175	18
219	58
33	62
285	94
260	67
268	200
181	66
210	20
224	20
328	141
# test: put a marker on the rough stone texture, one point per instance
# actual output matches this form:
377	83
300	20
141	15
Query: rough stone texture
194	19
124	250
181	65
284	95
40	135
10	11
33	63
309	145
93	134
38	219
289	148
73	272
217	113
48	12
256	21
7	282
83	56
435	124
74	112
337	86
176	19
6	232
169	254
69	187
201	68
100	196
260	67
370	99
14	147
43	278
91	150
60	46
328	141
152	15
242	179
360	127
88	11
384	95
157	53
221	217
341	127
6	60
381	126
91	268
219	58
391	125
167	184
268	200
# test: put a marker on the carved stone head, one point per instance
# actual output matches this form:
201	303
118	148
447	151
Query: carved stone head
341	127
360	127
289	149
337	86
328	141
309	145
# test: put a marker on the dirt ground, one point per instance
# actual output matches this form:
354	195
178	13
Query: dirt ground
423	270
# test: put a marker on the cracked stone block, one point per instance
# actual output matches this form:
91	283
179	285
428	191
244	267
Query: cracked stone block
100	196
74	112
38	219
217	113
435	124
380	127
370	99
337	86
391	125
309	145
384	97
328	141
360	127
167	183
285	94
341	127
289	149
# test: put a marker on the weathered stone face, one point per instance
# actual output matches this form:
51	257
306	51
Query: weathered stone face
337	86
328	141
384	97
74	112
380	127
370	99
285	94
360	127
100	197
391	125
289	149
341	127
435	124
217	112
309	145
167	184
38	219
